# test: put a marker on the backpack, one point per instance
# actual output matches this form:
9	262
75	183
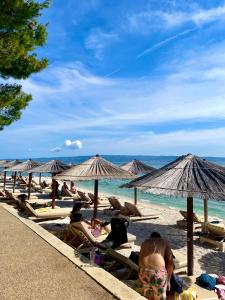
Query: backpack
118	234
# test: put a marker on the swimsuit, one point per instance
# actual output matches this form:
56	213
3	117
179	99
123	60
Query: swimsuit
154	283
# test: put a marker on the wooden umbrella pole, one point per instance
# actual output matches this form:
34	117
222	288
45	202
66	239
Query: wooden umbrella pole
4	180
39	178
29	186
190	256
95	201
135	196
205	214
14	182
205	210
53	191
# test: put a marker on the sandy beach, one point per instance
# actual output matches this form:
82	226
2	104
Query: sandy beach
165	225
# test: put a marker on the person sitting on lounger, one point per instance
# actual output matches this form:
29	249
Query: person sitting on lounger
76	216
156	267
64	189
73	189
45	184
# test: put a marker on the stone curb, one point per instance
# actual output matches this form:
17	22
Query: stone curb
106	280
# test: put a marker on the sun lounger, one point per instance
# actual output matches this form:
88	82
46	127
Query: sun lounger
120	263
115	203
11	198
45	213
101	202
86	230
116	207
2	194
84	197
180	262
198	221
136	213
215	236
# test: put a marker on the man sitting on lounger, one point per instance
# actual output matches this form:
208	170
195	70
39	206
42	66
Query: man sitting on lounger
64	189
156	267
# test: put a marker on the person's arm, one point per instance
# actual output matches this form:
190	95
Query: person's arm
169	263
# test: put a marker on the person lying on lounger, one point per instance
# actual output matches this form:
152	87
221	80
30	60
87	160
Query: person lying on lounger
76	216
156	267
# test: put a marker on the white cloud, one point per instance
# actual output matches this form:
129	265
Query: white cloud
99	40
73	144
147	21
56	149
68	144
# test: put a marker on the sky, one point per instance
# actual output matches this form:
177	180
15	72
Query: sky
126	77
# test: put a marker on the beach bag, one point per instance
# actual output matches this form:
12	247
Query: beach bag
206	281
189	294
118	234
134	257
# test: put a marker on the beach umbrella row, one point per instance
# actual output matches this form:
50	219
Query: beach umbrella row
7	166
95	168
24	167
188	176
54	167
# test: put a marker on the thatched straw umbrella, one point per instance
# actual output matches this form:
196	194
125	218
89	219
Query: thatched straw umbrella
137	167
24	167
7	166
54	167
188	176
95	168
3	161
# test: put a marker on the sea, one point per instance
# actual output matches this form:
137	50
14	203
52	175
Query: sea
216	208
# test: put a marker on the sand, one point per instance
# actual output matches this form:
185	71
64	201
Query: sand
206	259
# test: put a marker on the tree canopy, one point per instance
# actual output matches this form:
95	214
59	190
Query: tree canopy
20	35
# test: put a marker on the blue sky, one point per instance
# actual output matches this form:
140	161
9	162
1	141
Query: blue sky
126	77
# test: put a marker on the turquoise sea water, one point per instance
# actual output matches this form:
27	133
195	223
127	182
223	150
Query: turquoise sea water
216	208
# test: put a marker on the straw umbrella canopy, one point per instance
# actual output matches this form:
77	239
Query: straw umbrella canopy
8	165
3	161
24	167
95	168
137	167
188	176
54	167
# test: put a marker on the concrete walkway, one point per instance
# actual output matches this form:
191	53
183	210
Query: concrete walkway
30	268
